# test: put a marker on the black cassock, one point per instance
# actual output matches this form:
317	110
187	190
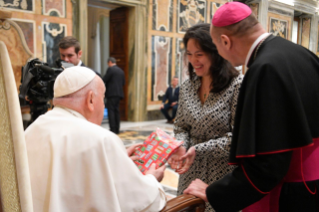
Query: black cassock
277	111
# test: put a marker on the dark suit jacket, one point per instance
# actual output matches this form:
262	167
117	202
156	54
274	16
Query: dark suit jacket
82	64
114	80
169	95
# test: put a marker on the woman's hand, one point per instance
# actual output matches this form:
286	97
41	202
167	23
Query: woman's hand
175	160
131	150
188	160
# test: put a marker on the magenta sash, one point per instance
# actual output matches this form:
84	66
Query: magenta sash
304	167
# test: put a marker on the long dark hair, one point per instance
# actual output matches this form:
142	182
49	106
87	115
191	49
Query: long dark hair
221	71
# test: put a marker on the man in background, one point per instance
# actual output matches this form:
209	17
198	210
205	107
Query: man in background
70	51
170	101
76	165
114	81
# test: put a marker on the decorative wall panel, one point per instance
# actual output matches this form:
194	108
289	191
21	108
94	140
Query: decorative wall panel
23	5
52	34
279	25
191	12
305	32
162	15
161	65
28	28
53	8
213	7
181	61
13	37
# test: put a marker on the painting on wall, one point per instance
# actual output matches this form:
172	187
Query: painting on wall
213	8
162	15
53	8
25	5
52	34
12	35
280	25
161	66
181	61
190	12
27	28
305	32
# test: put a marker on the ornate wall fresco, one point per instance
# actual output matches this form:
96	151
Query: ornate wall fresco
28	30
305	32
53	8
22	5
161	65
36	32
279	25
13	37
181	61
191	12
52	34
213	6
162	22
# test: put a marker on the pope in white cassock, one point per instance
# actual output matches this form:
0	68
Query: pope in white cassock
76	165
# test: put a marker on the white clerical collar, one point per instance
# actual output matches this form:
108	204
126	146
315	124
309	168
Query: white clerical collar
254	46
79	64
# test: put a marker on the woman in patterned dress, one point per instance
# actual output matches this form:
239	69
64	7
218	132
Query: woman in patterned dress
206	111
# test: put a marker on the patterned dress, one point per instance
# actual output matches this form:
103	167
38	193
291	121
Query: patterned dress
207	127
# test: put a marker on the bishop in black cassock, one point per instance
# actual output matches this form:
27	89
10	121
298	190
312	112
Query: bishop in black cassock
276	133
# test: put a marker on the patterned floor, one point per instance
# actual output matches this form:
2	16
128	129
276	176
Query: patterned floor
133	136
137	132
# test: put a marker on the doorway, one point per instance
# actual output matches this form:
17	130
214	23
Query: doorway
108	37
119	49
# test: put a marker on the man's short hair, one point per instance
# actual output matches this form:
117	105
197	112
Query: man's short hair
68	42
239	29
112	59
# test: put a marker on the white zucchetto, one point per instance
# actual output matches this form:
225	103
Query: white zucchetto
71	80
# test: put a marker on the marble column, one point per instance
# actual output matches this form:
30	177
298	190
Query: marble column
138	63
83	28
314	33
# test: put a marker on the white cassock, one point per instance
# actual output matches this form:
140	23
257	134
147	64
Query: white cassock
76	165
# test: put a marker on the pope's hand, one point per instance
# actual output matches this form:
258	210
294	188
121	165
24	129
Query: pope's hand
175	160
198	189
132	149
158	173
188	160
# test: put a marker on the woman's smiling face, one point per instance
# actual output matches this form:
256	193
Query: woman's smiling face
199	59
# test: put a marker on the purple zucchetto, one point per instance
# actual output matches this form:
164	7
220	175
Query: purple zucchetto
230	13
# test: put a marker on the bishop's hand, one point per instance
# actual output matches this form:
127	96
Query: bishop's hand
198	189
